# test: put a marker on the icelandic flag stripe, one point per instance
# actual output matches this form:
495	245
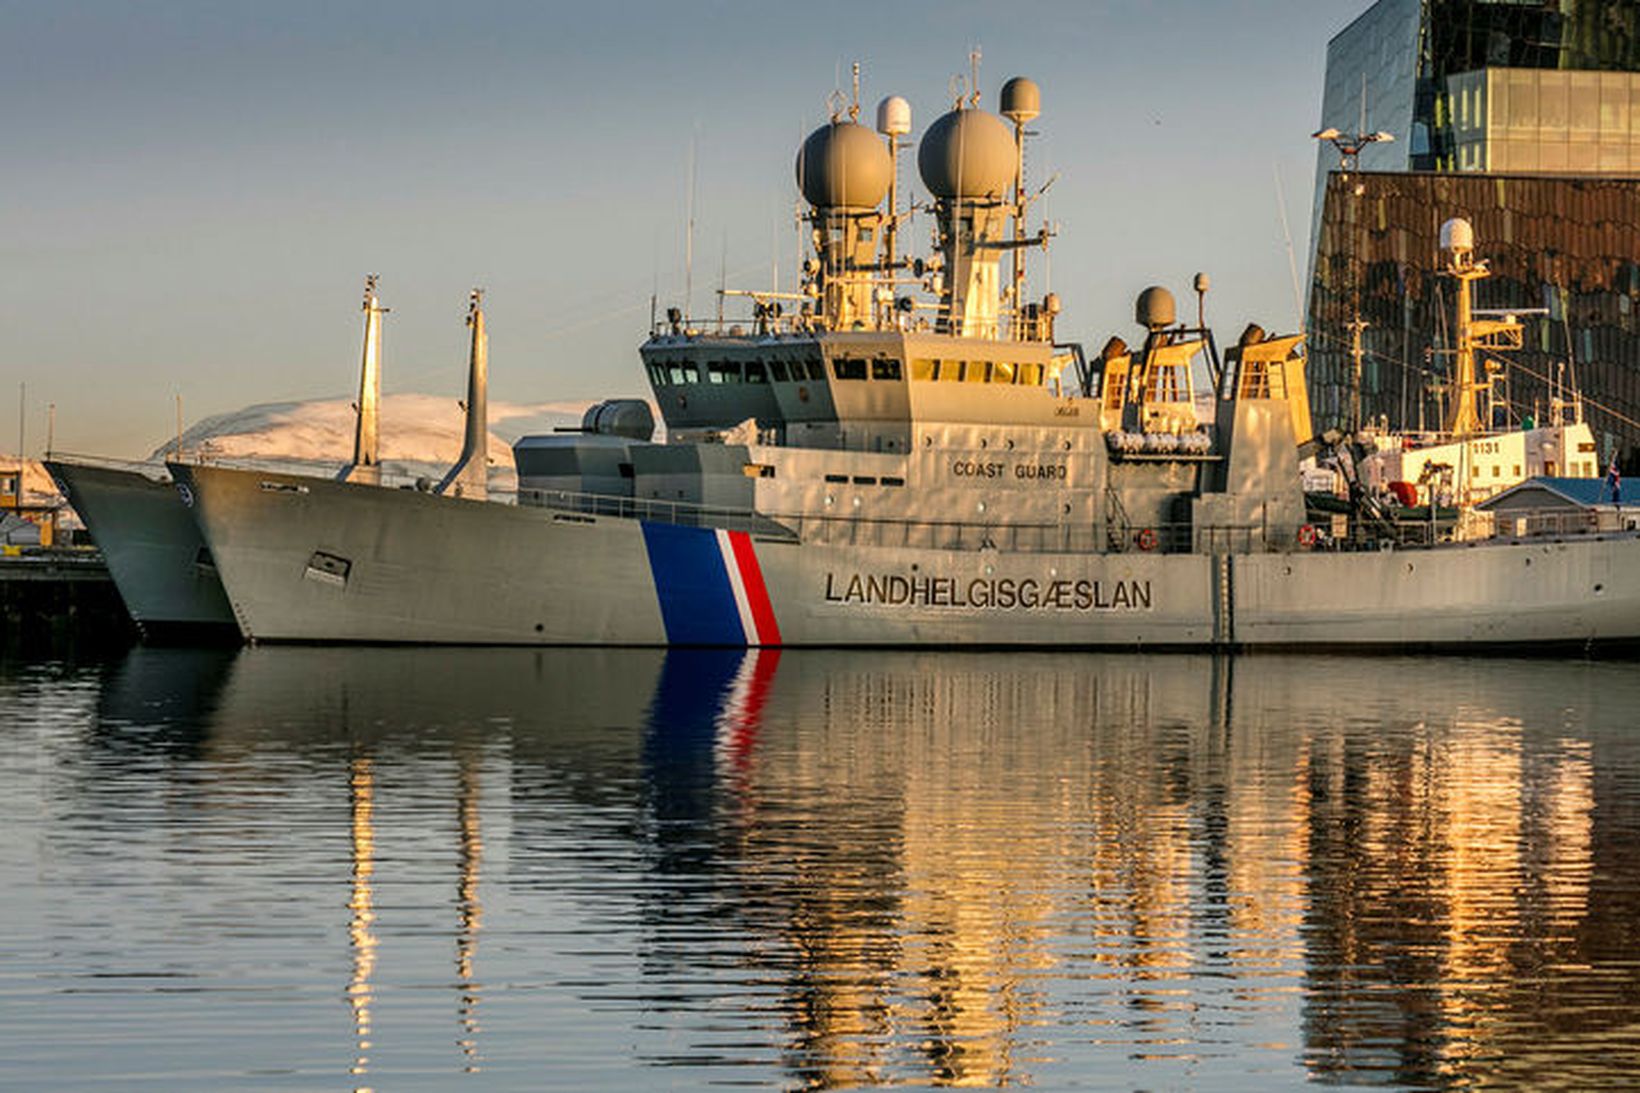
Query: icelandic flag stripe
698	604
710	586
737	585
761	608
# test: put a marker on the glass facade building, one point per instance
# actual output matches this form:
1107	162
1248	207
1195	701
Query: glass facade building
1525	115
1569	245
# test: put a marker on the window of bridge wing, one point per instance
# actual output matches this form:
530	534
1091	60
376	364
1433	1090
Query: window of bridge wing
817	369
777	371
977	372
849	368
923	369
657	373
885	368
1255	379
756	373
1002	372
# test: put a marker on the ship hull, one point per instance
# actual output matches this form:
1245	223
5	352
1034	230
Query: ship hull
154	551
311	560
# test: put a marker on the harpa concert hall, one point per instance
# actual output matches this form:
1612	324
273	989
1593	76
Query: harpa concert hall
1523	117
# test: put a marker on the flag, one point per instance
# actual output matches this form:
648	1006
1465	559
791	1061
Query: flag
1614	479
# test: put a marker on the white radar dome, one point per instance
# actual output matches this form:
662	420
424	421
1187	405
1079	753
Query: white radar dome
1457	234
894	117
843	165
1021	100
967	154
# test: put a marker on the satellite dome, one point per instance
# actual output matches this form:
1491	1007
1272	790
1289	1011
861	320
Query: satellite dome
844	165
894	117
1457	234
1021	100
1155	309
967	154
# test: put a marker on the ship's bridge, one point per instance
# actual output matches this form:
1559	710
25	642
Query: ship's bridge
855	390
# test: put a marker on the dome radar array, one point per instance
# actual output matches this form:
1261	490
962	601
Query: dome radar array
973	168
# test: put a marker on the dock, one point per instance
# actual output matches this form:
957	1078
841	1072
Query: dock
54	598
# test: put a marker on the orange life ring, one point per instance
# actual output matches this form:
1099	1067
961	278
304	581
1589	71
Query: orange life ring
1146	539
1306	535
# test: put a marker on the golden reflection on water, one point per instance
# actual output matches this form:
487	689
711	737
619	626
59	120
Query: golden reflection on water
469	912
929	900
977	870
360	927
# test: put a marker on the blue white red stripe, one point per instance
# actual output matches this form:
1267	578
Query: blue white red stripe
710	586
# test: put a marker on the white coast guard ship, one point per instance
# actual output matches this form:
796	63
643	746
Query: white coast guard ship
899	454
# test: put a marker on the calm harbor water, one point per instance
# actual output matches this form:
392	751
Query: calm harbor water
412	869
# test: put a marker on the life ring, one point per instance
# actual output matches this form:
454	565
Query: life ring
1146	539
1306	535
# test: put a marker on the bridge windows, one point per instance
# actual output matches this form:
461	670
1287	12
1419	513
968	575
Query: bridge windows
756	373
777	371
885	369
1013	373
723	371
817	369
849	368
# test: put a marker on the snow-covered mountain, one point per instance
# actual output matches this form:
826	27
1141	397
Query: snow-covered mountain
420	434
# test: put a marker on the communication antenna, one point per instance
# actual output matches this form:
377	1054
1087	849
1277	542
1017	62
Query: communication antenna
1287	233
689	231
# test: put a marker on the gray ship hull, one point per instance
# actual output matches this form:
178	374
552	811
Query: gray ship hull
312	560
153	548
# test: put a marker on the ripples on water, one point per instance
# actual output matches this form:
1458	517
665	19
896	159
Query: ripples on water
382	868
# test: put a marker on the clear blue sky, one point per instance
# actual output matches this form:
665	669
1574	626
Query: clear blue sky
193	191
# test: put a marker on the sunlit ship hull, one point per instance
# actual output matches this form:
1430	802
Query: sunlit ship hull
153	548
311	560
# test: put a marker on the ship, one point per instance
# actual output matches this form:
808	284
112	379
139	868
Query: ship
903	453
159	562
1430	483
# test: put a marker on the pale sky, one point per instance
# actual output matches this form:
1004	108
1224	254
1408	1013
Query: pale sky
193	192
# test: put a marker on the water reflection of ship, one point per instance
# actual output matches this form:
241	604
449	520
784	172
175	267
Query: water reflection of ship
915	863
913	887
389	706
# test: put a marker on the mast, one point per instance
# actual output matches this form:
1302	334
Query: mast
365	467
1021	103
470	475
1471	334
